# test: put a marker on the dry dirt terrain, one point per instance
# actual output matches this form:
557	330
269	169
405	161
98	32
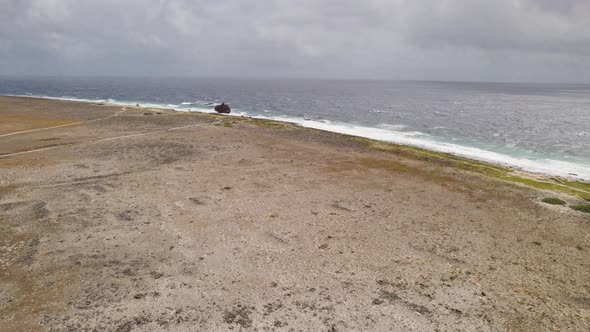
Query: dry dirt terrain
130	219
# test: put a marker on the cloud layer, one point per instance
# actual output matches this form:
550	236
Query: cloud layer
501	40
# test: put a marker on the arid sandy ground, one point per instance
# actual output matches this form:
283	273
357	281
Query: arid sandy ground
180	222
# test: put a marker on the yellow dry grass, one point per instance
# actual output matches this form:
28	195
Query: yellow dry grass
17	122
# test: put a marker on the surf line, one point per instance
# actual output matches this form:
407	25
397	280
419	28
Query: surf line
98	140
64	125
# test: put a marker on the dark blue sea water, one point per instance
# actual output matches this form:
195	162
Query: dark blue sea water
538	127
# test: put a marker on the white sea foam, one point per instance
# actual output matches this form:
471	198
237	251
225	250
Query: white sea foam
392	127
198	110
544	166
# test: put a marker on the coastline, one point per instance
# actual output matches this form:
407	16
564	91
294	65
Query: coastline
545	168
563	184
130	218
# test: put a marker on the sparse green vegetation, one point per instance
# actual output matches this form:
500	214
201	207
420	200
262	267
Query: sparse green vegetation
575	188
271	123
580	185
224	124
553	201
581	207
389	165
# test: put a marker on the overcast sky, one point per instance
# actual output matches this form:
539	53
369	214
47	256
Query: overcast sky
482	40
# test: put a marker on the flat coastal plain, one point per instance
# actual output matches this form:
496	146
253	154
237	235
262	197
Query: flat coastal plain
135	219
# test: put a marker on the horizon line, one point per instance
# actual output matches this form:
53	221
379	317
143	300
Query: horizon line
247	77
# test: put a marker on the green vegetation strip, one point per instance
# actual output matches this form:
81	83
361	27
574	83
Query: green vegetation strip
581	207
553	201
574	188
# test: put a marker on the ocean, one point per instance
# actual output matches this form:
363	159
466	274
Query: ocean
542	128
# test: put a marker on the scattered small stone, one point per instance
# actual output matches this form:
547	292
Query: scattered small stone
537	243
278	323
239	316
389	296
196	201
148	113
128	272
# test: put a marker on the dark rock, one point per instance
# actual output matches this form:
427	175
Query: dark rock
148	113
239	315
196	201
223	108
389	296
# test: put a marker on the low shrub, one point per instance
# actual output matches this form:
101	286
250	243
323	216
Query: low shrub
553	201
581	207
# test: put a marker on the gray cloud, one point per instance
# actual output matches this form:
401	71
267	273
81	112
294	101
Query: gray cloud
514	40
541	26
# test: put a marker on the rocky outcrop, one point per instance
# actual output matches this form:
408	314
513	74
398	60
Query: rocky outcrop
223	108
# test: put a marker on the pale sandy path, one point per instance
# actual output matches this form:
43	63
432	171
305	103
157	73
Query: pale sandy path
96	140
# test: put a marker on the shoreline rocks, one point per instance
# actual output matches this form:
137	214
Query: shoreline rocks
223	108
